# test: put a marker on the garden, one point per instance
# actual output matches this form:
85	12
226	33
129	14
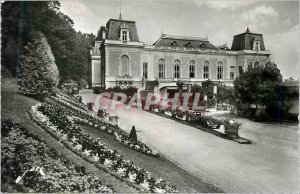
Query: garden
59	122
227	127
29	165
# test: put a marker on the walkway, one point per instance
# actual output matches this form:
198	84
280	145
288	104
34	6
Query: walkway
270	164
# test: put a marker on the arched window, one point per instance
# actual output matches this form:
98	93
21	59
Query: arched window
192	69
219	70
205	69
161	68
256	64
176	68
125	66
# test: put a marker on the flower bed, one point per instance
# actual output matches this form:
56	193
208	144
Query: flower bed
63	126
89	118
43	168
71	100
231	128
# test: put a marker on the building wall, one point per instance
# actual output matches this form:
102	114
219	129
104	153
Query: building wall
96	71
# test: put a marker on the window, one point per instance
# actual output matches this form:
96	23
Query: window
192	69
206	70
256	44
231	75
241	69
161	68
125	69
124	35
219	70
256	64
145	70
176	68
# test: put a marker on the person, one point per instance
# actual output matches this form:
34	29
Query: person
133	135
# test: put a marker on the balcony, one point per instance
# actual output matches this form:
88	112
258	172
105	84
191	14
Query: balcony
125	78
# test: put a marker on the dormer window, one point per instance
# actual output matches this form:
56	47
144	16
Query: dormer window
202	45
124	35
124	32
188	44
256	44
174	43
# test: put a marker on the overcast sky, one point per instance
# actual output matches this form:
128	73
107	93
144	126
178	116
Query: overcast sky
278	21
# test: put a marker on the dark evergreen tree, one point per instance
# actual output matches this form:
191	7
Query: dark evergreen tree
37	73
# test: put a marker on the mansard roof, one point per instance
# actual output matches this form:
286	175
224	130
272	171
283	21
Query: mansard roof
184	41
244	41
114	26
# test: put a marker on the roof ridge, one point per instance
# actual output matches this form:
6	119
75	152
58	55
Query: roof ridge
183	37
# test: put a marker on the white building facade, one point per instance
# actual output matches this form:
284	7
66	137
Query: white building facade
120	59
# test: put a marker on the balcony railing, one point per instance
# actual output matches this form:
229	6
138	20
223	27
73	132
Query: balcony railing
124	78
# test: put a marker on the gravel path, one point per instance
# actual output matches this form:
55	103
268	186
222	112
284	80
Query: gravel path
270	164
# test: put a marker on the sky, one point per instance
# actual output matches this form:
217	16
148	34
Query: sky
278	21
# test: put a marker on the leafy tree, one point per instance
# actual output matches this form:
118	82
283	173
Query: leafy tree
37	74
70	48
207	88
257	86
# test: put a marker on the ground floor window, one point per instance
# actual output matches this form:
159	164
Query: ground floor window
192	71
161	68
231	75
206	72
177	69
145	70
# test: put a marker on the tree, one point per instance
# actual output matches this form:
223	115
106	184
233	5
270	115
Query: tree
257	86
37	74
207	88
70	49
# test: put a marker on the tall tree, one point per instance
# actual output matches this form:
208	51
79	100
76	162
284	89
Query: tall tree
257	86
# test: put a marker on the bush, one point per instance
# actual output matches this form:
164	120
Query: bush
261	115
37	74
98	89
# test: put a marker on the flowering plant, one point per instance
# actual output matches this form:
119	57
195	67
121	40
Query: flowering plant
111	159
28	163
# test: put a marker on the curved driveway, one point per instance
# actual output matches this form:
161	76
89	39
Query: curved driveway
270	164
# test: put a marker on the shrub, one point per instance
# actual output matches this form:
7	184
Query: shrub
98	89
37	74
261	115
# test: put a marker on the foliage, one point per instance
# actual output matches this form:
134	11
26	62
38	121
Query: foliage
21	151
81	115
98	89
257	86
133	135
58	121
207	88
129	91
261	115
37	74
70	48
231	127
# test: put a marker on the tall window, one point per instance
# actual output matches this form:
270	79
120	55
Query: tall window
145	70
176	68
231	75
125	71
161	68
241	69
192	69
206	70
219	70
256	45
124	35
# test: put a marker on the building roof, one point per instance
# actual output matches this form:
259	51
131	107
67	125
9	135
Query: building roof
113	27
244	41
184	41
